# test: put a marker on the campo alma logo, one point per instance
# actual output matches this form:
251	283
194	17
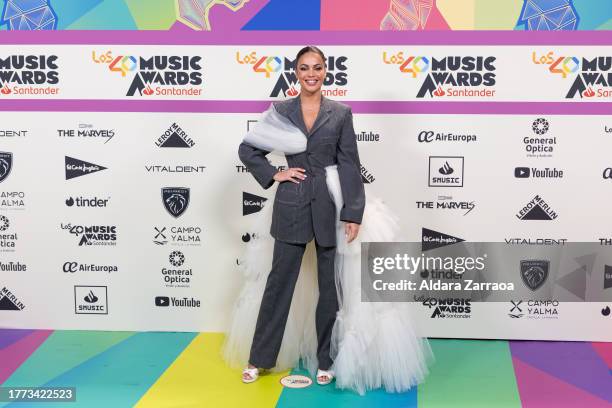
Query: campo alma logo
451	76
159	75
284	71
29	75
592	77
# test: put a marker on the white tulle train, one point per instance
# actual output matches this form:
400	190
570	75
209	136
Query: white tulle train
373	344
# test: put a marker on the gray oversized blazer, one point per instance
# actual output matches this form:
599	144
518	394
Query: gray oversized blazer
306	209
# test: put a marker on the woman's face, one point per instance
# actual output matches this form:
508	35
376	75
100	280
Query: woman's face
311	72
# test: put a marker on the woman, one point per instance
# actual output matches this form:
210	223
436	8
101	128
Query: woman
317	137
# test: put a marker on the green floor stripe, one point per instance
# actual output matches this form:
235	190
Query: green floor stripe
470	373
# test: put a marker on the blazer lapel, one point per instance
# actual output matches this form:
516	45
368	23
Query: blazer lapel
296	115
322	116
298	120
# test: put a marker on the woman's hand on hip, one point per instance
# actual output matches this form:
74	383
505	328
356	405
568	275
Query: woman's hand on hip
293	174
350	231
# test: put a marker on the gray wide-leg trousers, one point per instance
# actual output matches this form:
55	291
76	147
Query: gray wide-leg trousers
274	309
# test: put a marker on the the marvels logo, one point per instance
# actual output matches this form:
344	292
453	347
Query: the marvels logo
90	300
174	136
160	75
86	131
29	75
184	235
283	69
450	76
447	203
592	76
94	234
7	240
77	168
537	209
8	301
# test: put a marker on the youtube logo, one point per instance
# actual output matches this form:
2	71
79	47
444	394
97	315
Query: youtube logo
162	301
522	172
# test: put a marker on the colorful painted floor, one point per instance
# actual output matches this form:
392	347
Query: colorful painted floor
123	369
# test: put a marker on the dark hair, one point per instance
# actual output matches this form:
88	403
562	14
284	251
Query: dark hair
310	48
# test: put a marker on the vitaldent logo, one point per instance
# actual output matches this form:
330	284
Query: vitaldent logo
282	70
158	75
450	76
29	75
591	76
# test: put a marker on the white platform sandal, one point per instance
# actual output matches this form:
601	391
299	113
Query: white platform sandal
322	373
251	373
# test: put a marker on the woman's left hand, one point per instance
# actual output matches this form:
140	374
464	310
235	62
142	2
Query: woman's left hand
350	231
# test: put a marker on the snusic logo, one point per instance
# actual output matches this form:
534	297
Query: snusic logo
29	75
159	75
93	235
6	165
591	77
445	171
8	301
537	209
451	76
77	168
174	136
90	300
283	69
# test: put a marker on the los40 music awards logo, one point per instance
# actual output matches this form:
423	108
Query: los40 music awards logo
450	76
158	75
29	74
591	77
282	71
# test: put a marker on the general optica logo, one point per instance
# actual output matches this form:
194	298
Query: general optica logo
590	78
157	75
281	71
448	77
29	75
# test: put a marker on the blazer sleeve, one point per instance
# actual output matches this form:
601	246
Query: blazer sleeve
349	170
256	162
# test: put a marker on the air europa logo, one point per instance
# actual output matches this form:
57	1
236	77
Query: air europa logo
29	75
591	77
159	75
283	71
450	76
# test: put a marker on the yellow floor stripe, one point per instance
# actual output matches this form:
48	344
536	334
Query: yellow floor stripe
200	378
